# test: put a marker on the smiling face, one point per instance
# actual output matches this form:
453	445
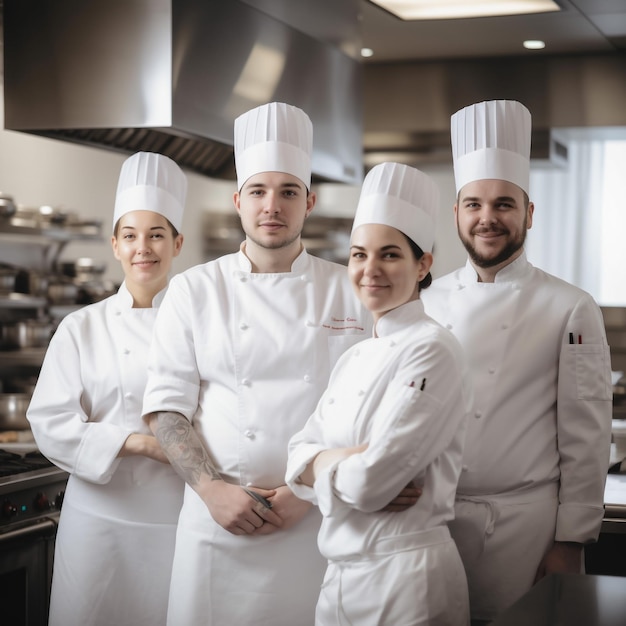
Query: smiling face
492	219
272	207
383	269
145	245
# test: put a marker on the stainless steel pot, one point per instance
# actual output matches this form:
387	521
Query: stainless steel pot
83	270
7	279
32	282
13	411
63	292
25	334
7	205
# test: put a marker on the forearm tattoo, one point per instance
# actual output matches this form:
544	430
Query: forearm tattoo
182	447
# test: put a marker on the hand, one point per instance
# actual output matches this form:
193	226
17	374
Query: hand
288	507
407	498
137	444
563	557
235	511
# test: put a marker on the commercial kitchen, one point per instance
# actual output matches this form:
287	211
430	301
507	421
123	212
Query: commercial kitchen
84	89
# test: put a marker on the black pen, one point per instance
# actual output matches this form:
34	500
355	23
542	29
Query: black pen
259	498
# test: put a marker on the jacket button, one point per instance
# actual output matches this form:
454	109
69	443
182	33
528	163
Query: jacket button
249	434
243	326
478	415
126	351
307	378
449	326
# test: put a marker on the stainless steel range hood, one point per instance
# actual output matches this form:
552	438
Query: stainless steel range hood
171	76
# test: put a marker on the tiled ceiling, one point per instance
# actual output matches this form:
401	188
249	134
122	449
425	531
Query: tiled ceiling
581	27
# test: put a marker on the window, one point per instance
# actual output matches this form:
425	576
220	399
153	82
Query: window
579	225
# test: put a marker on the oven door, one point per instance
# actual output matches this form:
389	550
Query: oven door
26	556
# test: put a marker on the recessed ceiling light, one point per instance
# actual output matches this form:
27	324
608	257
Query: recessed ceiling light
455	9
367	52
534	44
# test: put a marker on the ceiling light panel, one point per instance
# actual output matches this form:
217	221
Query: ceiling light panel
457	9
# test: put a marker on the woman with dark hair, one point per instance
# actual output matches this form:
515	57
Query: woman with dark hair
394	413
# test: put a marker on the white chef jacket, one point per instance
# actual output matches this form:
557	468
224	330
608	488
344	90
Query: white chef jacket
115	542
407	394
542	415
245	357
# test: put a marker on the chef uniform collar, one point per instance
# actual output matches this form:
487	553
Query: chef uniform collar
125	300
300	265
400	196
151	182
491	140
515	271
274	137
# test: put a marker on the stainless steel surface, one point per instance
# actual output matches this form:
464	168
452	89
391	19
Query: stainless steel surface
571	600
182	71
46	527
13	408
402	124
27	333
30	503
8	276
7	205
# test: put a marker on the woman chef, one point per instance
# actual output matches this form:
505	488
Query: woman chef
394	411
116	534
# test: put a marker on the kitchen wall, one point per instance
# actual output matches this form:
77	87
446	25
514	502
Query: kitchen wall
83	179
39	171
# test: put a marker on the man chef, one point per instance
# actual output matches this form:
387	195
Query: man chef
243	350
536	456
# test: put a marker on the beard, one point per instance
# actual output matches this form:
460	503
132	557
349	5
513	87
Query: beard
274	243
512	246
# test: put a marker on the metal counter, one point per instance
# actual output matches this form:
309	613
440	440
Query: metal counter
570	600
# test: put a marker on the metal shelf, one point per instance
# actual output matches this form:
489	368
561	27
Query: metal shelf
28	357
45	233
22	301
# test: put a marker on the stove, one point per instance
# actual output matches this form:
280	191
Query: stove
31	487
31	496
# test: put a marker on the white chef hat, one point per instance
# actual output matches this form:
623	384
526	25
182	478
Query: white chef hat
492	140
398	195
274	137
151	182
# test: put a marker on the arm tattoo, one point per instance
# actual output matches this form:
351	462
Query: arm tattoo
183	448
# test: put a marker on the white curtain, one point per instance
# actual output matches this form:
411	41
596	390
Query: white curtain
565	238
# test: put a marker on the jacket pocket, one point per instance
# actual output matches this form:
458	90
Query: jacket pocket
593	372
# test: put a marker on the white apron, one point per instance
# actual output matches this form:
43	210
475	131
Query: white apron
245	357
116	535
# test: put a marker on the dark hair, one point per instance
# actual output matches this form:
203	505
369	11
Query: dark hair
418	253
